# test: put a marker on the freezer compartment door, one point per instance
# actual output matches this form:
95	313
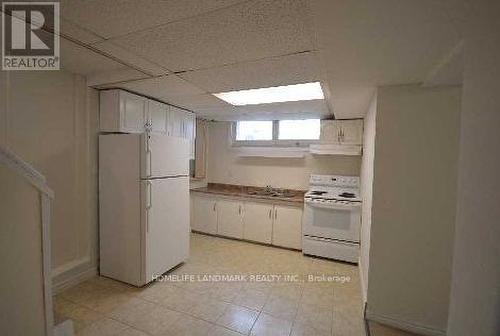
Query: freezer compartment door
163	155
166	224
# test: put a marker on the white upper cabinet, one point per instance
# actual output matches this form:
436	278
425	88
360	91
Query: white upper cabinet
175	122
189	126
134	113
351	131
182	124
125	112
330	131
121	111
343	132
157	116
339	137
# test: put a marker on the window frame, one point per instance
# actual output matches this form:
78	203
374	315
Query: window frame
275	142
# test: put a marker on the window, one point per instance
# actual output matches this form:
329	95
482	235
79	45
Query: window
254	130
276	132
299	129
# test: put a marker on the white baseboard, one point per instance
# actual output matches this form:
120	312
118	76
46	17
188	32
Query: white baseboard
404	325
71	274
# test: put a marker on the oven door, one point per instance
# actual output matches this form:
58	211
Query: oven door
341	222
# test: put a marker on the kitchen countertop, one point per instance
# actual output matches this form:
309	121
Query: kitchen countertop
232	190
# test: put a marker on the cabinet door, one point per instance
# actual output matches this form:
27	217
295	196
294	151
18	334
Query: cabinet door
352	131
229	218
287	228
330	131
175	122
189	126
258	222
157	116
204	214
133	113
190	132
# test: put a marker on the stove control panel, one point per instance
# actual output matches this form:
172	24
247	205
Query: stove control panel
334	181
331	202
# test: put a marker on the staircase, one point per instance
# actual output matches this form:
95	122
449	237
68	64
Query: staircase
25	211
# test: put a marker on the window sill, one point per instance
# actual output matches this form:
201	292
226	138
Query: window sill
271	152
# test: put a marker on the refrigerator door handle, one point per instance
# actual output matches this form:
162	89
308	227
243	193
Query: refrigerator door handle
150	195
149	202
150	161
149	156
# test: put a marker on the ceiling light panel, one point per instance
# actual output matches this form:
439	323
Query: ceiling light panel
277	94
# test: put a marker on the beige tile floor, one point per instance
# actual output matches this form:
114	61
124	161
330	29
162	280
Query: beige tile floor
102	306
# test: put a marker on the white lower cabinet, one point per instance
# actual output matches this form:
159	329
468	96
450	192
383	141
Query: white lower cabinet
258	222
268	223
287	227
230	218
204	214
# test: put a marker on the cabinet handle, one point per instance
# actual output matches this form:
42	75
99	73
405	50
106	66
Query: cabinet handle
215	205
275	213
270	213
239	209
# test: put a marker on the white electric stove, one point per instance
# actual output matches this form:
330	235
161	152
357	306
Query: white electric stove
332	217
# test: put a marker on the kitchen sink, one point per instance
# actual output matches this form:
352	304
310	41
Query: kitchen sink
273	192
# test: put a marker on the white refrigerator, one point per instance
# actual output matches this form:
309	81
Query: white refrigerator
143	205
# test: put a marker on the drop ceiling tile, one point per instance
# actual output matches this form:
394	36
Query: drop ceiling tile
275	71
80	60
128	57
78	33
118	17
164	88
107	79
198	102
244	32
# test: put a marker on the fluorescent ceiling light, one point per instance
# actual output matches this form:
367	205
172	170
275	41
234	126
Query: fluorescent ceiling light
277	94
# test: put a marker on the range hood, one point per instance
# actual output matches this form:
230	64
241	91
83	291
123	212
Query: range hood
335	149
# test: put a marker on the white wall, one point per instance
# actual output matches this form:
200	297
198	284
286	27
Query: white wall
475	294
224	166
49	118
413	210
367	190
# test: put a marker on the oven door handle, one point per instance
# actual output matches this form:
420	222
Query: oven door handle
334	206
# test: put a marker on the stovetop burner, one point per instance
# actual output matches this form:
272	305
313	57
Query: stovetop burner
347	195
317	192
